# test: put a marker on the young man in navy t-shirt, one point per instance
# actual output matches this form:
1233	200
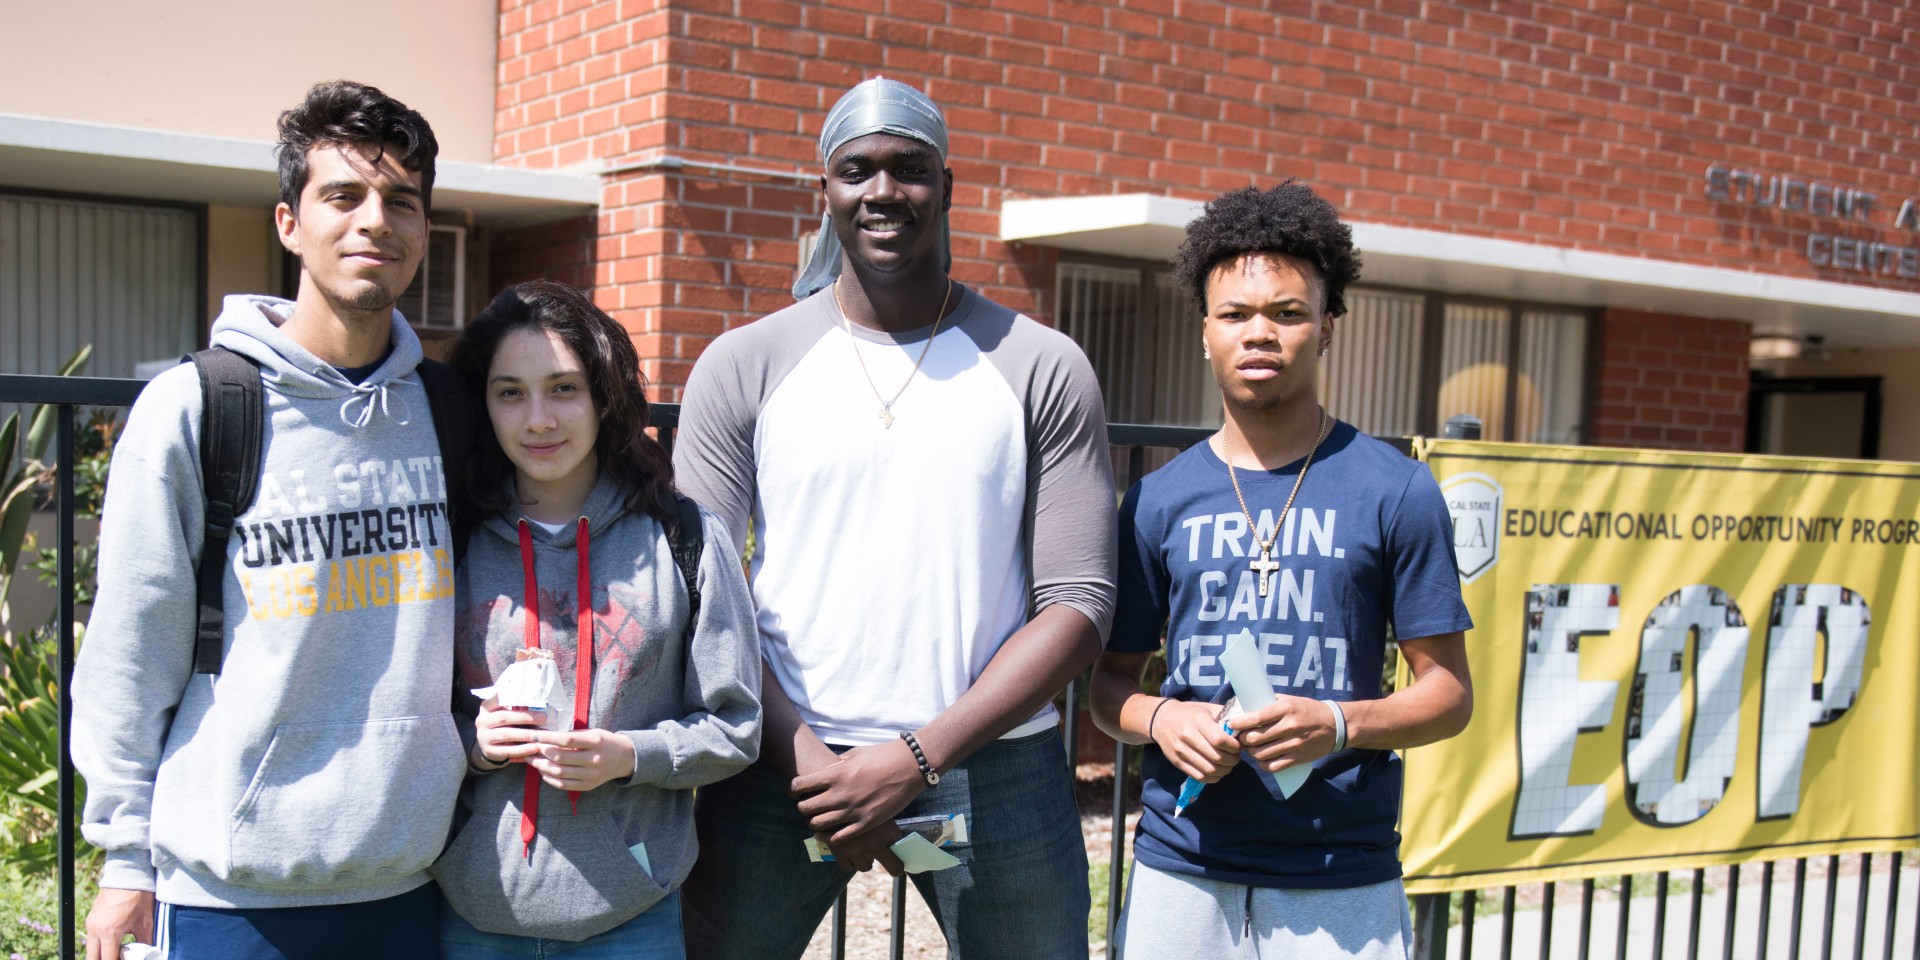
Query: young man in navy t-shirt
1363	544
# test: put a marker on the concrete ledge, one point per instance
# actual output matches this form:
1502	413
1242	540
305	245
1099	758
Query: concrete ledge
1148	227
92	158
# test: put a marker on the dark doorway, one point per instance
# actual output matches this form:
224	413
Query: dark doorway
1815	417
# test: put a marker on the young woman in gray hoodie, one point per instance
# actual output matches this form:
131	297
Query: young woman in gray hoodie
581	829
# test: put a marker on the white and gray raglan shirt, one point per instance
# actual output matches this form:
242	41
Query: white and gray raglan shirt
890	563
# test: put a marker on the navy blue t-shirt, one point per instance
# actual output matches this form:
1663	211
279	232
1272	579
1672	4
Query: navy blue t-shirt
1368	539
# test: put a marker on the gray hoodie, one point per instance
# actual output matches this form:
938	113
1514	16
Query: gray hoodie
691	708
322	764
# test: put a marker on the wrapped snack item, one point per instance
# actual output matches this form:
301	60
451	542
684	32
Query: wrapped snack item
532	683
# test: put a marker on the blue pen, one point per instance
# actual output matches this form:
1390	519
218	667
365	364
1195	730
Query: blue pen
1190	790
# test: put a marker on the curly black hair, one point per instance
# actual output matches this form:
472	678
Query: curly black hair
1289	219
354	115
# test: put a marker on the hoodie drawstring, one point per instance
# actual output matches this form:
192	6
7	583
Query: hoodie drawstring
375	394
582	642
583	664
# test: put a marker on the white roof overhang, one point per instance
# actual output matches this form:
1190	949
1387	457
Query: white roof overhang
38	153
1143	226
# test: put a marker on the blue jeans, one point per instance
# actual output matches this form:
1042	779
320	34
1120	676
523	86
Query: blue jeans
653	935
1019	893
396	928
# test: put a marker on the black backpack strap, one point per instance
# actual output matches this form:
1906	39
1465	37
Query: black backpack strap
453	425
689	539
231	411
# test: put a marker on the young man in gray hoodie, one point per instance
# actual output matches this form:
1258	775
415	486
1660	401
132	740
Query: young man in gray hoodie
287	806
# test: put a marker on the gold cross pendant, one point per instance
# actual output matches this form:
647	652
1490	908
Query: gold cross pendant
1264	567
886	418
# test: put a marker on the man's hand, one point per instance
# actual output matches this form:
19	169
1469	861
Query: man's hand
868	787
582	759
504	735
1190	735
115	914
1288	731
858	853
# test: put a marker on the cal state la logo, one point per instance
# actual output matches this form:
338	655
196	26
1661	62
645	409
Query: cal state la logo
1473	499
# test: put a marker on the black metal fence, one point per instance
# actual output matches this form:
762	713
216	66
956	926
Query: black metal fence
1433	914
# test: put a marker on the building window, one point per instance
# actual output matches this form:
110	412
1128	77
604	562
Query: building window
122	277
437	300
1372	374
1402	361
1520	369
1136	329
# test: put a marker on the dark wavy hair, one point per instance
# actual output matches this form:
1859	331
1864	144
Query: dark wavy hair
1289	219
636	461
355	115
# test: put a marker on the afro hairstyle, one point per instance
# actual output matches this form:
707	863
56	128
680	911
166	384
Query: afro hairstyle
1288	219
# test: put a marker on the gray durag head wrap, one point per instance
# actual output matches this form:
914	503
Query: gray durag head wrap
878	105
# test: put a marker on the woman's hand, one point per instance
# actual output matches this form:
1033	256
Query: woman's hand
1191	736
582	759
503	736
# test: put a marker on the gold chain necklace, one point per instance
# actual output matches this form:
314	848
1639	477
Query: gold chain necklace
886	405
1266	565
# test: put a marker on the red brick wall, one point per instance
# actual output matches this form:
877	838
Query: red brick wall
563	251
1529	121
1670	382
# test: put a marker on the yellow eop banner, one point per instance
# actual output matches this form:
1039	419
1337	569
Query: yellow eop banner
1678	660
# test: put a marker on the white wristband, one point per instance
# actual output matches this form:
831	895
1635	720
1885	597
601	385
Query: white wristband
1339	725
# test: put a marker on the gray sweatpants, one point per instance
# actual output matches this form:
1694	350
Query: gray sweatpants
1172	916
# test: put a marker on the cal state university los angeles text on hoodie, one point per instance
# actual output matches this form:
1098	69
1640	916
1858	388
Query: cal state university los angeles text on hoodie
321	765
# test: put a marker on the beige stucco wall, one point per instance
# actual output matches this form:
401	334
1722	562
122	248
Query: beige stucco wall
241	253
228	67
1899	373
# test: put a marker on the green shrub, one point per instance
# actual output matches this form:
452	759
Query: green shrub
30	915
30	756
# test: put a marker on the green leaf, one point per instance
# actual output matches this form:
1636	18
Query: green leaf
37	783
40	432
16	508
43	417
9	441
76	362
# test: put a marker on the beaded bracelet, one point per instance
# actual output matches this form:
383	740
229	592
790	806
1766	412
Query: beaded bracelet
926	769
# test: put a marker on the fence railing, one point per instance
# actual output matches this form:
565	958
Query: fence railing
1432	913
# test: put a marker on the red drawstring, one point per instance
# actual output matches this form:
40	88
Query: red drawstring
583	664
530	793
582	644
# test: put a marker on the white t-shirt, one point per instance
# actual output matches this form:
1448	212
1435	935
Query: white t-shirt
891	562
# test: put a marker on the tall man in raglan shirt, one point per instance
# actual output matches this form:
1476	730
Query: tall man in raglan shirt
287	806
1293	533
925	476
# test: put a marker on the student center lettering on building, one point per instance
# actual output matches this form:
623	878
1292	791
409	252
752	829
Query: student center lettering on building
1583	223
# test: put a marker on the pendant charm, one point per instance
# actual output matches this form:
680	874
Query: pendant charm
886	419
1264	567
